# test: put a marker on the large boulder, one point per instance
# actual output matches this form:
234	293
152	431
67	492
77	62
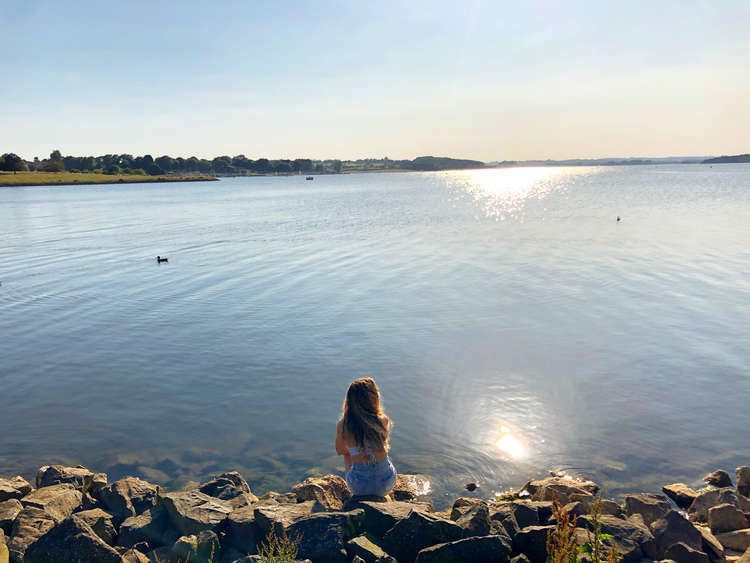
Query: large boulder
365	548
698	510
606	506
322	537
686	554
128	497
191	512
503	519
525	513
30	524
480	548
560	488
650	507
743	480
726	518
631	537
412	487
682	495
241	531
59	501
101	522
71	541
738	540
419	530
473	515
148	527
16	487
201	548
532	542
718	478
710	545
330	491
674	528
382	516
77	476
9	509
231	487
279	517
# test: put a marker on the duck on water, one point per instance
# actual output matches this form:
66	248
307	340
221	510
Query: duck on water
159	259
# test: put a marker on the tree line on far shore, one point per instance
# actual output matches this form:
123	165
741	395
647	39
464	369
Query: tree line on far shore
221	165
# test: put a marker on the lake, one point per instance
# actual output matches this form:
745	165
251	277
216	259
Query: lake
514	326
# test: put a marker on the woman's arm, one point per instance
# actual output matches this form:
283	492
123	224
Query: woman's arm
341	448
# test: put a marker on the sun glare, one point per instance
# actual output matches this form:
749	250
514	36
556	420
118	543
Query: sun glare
510	444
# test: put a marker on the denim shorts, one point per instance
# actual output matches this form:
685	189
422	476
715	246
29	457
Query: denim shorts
371	478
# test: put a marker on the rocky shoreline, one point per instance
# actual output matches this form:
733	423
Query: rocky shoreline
73	514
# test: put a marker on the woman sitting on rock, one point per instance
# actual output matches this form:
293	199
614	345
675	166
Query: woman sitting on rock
362	438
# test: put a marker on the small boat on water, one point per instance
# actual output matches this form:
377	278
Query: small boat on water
309	178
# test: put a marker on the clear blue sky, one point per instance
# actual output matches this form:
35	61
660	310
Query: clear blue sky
479	79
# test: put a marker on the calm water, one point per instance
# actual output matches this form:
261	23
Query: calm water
513	325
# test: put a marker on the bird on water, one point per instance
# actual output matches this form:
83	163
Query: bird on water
160	259
618	218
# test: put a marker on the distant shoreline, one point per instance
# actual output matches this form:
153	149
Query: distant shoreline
26	179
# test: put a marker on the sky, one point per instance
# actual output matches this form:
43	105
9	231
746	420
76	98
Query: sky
483	79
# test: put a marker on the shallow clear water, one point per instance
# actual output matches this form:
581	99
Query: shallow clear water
498	306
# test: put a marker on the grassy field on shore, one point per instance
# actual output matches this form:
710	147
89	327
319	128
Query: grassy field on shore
73	178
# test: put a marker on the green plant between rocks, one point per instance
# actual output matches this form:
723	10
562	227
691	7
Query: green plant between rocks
278	548
561	541
594	547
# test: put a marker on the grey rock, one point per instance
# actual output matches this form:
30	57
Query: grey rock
503	519
192	512
698	510
479	548
606	506
718	478
382	516
59	501
651	507
4	554
280	516
560	488
742	474
473	515
128	497
365	547
726	518
632	538
272	497
710	545
417	531
330	491
201	548
323	537
148	527
674	528
686	554
682	495
229	486
532	542
101	522
71	541
9	509
56	474
738	540
30	524
16	487
242	532
411	487
525	513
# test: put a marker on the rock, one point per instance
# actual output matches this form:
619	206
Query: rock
726	518
278	498
9	509
160	554
411	487
738	540
674	528
322	537
543	509
16	487
718	478
56	474
128	497
710	545
192	512
382	516
331	491
101	522
473	515
576	508
4	554
202	548
686	554
744	558
532	542
279	517
59	501
682	495
71	541
502	519
148	527
30	524
606	506
480	548
419	530
525	513
242	532
560	488
632	537
651	507
742	474
365	548
520	559
231	487
134	556
698	510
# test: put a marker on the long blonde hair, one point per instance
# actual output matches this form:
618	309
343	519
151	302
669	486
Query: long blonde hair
362	417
